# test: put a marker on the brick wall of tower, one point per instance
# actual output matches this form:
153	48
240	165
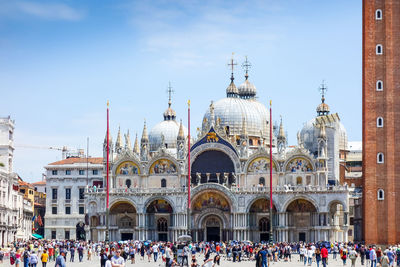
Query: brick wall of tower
380	216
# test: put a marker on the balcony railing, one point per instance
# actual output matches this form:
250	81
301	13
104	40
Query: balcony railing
252	189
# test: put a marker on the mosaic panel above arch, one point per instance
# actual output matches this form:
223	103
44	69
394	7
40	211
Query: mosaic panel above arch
301	205
299	164
159	206
260	165
210	200
261	206
128	168
163	166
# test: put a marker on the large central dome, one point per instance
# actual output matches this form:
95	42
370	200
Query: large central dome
240	108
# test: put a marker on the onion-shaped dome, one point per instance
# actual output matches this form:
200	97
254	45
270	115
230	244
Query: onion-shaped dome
169	114
247	90
232	111
232	91
323	109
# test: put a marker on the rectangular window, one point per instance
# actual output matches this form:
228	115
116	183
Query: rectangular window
81	193
81	172
95	172
67	210
53	210
54	193
53	234
54	172
81	210
67	172
67	193
66	235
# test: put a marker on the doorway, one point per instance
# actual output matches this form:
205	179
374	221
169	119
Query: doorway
213	234
162	237
264	237
302	237
126	236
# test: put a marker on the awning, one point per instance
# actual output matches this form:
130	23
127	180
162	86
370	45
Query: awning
37	236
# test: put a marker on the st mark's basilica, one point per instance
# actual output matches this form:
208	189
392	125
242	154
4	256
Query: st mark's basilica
230	166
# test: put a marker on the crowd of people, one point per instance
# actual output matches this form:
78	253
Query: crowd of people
195	254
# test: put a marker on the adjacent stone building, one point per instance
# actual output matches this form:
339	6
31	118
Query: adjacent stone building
65	202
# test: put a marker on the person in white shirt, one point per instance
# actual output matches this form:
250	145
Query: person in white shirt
155	252
117	260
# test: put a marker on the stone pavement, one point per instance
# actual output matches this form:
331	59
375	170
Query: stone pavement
95	262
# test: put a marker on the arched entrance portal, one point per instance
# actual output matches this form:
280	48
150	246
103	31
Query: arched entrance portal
259	219
302	217
80	231
212	227
159	217
122	221
212	166
211	211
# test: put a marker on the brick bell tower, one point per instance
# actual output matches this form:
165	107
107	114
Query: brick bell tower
381	121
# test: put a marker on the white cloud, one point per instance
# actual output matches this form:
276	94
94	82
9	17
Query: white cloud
50	11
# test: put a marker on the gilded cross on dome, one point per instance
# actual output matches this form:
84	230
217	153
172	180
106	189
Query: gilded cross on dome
323	90
232	65
246	66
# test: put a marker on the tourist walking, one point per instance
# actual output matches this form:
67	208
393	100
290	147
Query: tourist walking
44	258
60	260
33	259
324	256
372	257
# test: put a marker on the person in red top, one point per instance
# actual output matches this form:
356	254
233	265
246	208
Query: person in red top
324	256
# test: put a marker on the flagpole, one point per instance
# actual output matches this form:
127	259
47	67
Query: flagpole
107	173
188	182
271	233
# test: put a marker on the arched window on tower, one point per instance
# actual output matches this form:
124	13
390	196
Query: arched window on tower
381	194
261	181
251	142
380	158
379	49
379	85
378	14
163	182
379	122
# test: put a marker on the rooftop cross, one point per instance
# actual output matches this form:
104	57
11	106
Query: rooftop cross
232	64
323	90
246	66
169	91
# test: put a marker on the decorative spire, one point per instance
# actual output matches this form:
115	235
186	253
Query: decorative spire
244	127
118	143
136	146
323	108
232	91
169	91
232	65
281	131
145	136
169	114
181	134
212	115
128	144
322	131
246	65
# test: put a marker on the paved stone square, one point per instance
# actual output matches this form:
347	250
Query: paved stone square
224	263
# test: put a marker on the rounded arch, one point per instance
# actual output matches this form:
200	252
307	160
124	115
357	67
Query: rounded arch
258	199
217	147
205	216
256	158
211	199
215	187
120	201
301	163
150	201
335	202
301	205
301	197
163	164
127	166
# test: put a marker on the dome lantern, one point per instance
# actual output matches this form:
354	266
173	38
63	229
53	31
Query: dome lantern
323	108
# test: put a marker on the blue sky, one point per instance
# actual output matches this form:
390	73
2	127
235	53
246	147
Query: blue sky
61	60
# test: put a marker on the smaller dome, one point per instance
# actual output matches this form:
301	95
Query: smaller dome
232	90
165	134
247	89
169	114
323	109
